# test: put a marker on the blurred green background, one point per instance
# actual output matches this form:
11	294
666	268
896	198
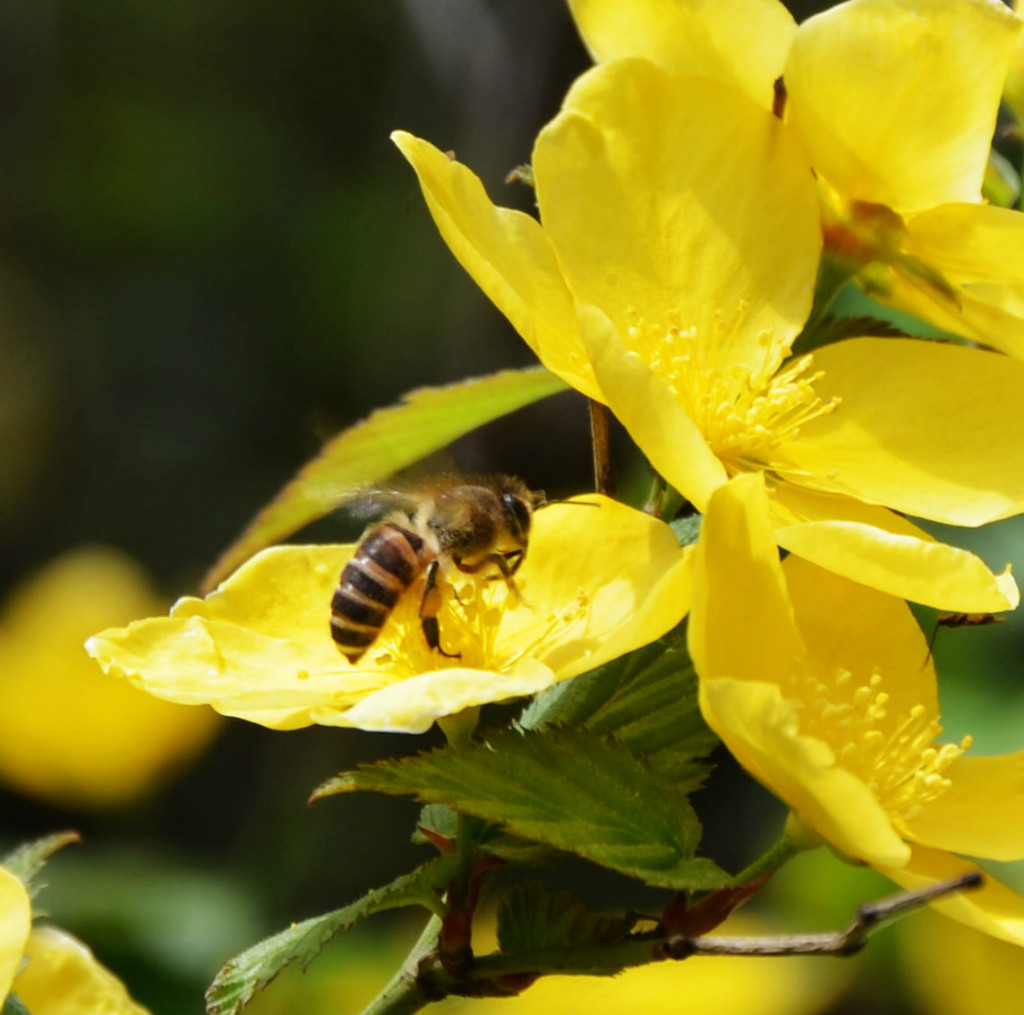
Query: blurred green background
211	259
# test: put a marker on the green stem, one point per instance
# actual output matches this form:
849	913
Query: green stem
403	995
781	853
833	274
1020	199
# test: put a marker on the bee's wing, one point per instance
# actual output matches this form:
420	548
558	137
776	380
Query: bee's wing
375	502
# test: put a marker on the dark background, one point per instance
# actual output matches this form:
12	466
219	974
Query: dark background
211	259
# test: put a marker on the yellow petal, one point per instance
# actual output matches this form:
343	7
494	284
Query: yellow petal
655	418
872	545
969	242
741	40
508	255
413	705
897	102
739	586
993	908
62	977
761	729
918	569
980	251
930	429
833	616
15	923
983	312
675	199
982	812
258	648
623	583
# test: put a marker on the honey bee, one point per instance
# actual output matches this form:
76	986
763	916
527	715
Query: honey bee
469	524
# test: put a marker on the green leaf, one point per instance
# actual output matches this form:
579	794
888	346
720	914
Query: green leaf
647	700
835	329
27	860
251	971
571	789
13	1005
531	918
687	530
1001	185
391	439
493	841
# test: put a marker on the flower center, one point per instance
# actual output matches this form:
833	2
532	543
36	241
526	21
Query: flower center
894	754
469	621
732	388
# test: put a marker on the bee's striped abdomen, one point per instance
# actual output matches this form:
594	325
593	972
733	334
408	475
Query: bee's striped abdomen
385	564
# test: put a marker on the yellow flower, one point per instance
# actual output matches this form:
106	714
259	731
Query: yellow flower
824	690
598	582
15	924
50	971
895	104
673	266
69	734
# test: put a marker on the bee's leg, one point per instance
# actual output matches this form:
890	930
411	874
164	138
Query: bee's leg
507	563
430	604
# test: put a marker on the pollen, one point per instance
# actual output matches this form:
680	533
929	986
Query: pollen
740	393
893	753
469	622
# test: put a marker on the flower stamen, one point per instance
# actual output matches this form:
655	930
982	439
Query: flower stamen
745	410
895	755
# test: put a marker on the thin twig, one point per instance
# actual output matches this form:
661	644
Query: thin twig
604	479
839	942
492	974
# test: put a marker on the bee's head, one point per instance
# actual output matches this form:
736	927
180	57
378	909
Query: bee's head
518	504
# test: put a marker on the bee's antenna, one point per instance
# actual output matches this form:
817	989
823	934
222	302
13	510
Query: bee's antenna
544	502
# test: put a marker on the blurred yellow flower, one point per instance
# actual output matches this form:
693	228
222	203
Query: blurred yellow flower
597	583
673	267
829	699
68	733
954	971
50	971
895	105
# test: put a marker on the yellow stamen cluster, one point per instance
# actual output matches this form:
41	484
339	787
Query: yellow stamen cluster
895	755
745	410
470	622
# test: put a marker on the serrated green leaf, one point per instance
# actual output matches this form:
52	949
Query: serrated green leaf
492	841
27	860
687	530
571	789
438	819
647	700
835	329
251	971
530	918
13	1005
391	439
